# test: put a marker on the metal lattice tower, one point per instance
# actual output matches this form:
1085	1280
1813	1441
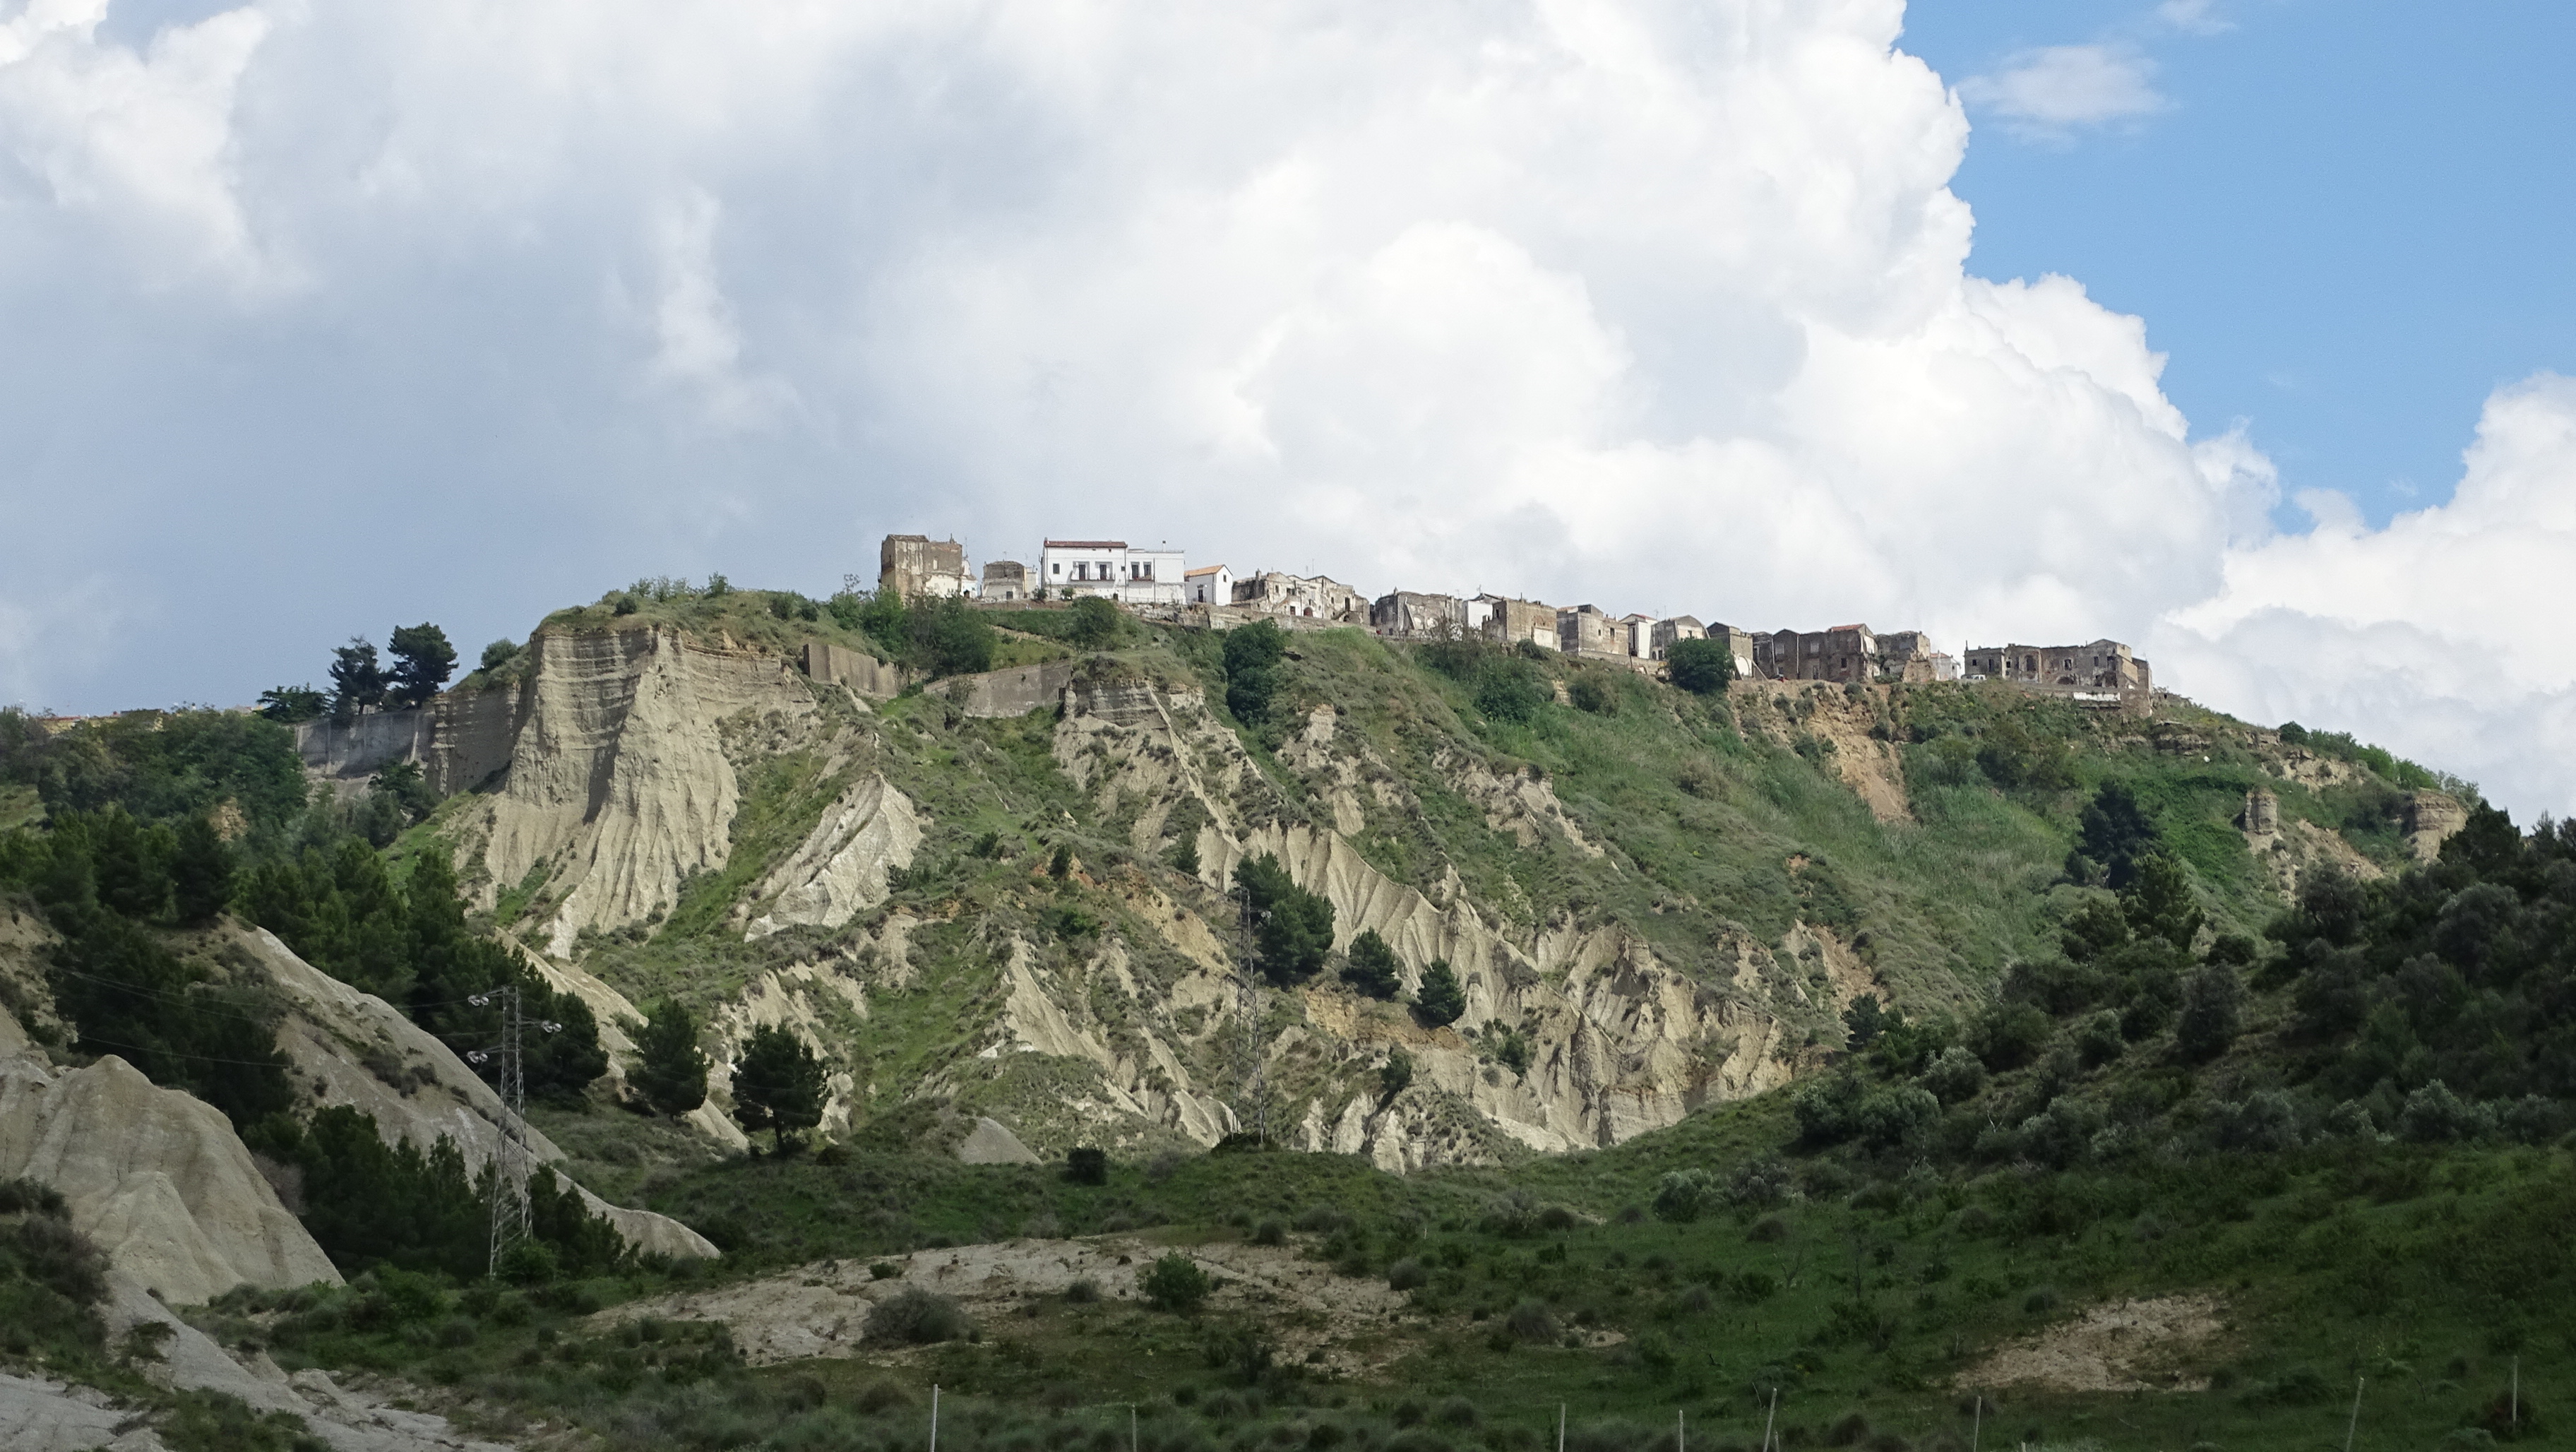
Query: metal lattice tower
511	1160
1251	1066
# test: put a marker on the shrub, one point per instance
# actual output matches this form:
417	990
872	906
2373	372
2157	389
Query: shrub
1954	1077
1530	1321
1174	1282
1512	690
2213	1012
1897	1115
1087	1166
2009	1035
1592	697
2435	1115
915	1317
1768	1229
1271	1231
1096	623
1407	1275
1701	667
1681	1195
1083	1291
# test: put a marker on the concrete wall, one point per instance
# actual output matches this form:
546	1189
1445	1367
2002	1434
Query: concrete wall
364	746
837	665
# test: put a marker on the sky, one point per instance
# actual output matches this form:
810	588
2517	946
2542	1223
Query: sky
2229	329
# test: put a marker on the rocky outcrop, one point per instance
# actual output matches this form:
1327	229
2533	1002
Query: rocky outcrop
620	783
354	1048
992	1143
155	1176
995	695
843	863
2429	819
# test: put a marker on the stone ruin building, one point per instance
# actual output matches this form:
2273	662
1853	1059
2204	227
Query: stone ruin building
916	564
1006	580
1849	653
2101	665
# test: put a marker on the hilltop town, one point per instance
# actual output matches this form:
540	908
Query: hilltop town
1158	583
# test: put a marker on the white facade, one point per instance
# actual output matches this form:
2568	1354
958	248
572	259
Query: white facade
1107	567
1209	585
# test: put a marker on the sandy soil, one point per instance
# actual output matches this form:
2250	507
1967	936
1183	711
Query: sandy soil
820	1310
2122	1346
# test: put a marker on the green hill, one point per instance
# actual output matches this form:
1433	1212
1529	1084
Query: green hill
1929	1063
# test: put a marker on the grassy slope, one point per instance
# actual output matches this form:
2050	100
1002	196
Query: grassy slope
1701	818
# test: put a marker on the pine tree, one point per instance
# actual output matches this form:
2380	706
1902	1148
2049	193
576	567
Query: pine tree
1442	1000
777	1085
357	680
670	1070
201	874
1373	967
423	660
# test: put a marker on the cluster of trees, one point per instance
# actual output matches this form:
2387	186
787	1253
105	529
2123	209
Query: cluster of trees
370	1204
417	662
937	635
1252	671
1701	667
408	944
1292	929
2461	972
105	881
1505	685
2133	967
162	766
1371	968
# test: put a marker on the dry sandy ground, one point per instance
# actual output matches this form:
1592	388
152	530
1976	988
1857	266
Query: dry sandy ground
2122	1346
822	1308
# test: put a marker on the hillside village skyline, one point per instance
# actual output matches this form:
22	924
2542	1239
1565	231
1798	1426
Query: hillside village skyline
1159	582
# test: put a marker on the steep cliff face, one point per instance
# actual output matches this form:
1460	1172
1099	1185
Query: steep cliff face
619	784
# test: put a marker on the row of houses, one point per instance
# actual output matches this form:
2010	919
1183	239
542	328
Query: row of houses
910	564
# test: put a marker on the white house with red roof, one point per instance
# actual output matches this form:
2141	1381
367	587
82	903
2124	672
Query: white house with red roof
1209	585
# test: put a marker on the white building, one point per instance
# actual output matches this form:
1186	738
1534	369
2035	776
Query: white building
1209	585
1107	567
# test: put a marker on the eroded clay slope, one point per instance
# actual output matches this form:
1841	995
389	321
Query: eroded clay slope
156	1176
619	783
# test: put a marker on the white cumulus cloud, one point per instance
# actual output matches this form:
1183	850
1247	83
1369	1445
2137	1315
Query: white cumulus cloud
2054	91
2443	629
1662	304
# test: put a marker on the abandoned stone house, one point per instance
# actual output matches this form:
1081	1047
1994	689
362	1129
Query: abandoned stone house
915	564
1665	634
1848	653
1112	569
1006	580
1588	630
2099	665
1509	621
1422	615
1321	597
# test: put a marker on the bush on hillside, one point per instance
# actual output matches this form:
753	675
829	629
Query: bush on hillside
1701	667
